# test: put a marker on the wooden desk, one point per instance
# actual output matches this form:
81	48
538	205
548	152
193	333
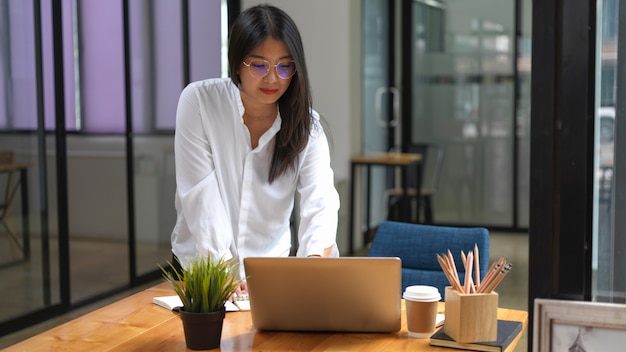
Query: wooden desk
22	183
401	160
135	324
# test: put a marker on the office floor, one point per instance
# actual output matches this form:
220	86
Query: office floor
513	291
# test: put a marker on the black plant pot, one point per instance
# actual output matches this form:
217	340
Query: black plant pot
203	331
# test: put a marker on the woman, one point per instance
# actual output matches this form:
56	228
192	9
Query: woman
245	145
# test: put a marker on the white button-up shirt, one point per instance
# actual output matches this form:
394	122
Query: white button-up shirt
226	207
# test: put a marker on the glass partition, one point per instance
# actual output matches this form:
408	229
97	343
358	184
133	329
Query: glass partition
154	101
470	96
91	142
29	266
608	284
380	116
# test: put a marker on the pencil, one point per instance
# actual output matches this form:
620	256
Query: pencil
455	273
444	267
476	265
502	266
453	267
471	261
448	272
464	259
498	278
468	271
493	270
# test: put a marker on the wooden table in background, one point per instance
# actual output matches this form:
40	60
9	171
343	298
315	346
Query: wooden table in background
401	160
22	183
135	324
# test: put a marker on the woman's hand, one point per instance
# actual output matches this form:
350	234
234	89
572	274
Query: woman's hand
327	252
240	291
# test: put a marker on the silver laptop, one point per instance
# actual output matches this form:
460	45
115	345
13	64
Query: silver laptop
349	294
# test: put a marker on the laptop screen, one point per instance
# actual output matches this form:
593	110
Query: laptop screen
359	294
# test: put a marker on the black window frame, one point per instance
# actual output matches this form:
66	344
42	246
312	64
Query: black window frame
562	146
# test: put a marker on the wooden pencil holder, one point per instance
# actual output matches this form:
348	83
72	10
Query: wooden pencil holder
471	317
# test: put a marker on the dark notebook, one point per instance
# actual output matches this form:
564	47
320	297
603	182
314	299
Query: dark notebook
507	330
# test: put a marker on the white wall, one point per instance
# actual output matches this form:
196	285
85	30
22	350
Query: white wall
331	32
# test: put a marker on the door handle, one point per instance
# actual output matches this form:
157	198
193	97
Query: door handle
395	121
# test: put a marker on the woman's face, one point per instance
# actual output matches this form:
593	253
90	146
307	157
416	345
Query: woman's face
257	90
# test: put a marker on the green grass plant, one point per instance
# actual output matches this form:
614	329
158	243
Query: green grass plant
204	285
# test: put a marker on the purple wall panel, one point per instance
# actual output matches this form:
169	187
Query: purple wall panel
102	66
156	63
168	62
205	39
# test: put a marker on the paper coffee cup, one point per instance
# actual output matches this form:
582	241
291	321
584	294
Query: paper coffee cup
421	310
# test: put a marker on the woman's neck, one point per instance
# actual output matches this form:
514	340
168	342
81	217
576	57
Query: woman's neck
256	115
256	111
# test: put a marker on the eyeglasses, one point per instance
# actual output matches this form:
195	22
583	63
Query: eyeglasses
260	68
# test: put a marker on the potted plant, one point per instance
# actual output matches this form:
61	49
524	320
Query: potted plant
204	286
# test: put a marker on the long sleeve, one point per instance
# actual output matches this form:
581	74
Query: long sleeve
199	201
319	201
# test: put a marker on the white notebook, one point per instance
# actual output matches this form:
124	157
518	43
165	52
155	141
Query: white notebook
174	303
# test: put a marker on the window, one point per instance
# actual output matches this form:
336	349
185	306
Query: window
608	282
161	62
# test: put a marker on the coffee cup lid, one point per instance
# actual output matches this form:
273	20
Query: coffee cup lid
422	293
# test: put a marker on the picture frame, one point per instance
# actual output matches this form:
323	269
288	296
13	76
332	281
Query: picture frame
561	325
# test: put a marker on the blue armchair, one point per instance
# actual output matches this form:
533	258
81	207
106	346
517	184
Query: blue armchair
418	245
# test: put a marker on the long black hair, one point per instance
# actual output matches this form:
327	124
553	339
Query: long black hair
251	28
